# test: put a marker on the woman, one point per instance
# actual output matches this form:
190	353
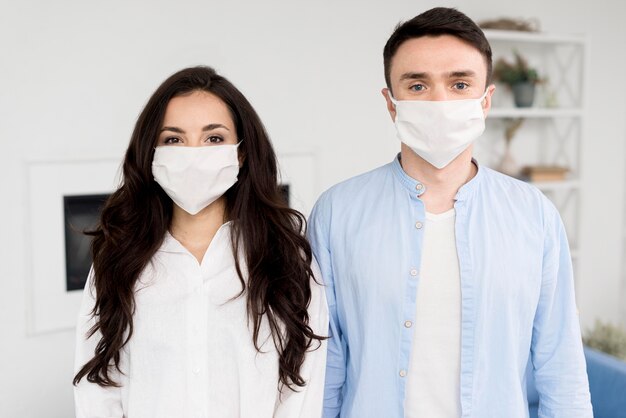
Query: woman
202	301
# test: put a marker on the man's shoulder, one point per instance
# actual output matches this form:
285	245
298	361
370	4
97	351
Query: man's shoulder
496	180
519	193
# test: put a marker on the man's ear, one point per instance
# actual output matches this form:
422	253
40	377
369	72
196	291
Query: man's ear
391	108
486	103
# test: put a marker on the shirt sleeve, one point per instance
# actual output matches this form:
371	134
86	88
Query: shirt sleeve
319	235
90	399
306	402
557	351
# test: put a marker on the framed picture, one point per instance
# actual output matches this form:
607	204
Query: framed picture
63	199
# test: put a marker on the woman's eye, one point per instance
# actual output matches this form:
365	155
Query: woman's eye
417	87
171	140
461	86
214	139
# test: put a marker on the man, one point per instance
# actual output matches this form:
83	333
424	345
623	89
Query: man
446	281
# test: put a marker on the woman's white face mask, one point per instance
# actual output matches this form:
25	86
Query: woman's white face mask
195	177
439	131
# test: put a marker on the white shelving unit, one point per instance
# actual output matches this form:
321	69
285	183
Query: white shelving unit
549	134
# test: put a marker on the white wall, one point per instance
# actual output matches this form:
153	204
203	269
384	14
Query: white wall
74	75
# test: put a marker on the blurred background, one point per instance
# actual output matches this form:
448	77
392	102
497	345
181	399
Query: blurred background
74	75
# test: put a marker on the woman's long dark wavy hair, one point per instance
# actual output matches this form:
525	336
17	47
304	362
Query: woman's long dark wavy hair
268	233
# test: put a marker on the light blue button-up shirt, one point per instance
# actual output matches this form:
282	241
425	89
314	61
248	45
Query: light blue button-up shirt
517	296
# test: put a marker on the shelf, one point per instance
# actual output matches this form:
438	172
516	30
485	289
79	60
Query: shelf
534	112
552	186
532	37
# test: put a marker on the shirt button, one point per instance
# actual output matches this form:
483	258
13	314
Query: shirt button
402	373
414	272
419	186
408	324
419	225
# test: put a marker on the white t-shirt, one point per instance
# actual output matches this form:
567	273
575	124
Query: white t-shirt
191	353
433	379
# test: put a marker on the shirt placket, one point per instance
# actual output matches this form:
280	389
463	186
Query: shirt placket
196	332
412	279
468	308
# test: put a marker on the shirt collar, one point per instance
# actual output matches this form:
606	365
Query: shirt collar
417	187
172	245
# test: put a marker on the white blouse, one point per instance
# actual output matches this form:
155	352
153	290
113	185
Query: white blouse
191	353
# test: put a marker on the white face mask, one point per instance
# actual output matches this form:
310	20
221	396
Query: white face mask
195	177
438	131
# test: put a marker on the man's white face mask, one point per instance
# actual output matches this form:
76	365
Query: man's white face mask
195	177
438	131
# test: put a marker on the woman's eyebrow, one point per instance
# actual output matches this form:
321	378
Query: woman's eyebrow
173	129
208	127
212	126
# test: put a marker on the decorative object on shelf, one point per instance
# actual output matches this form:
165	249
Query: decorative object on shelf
507	23
508	165
538	173
551	100
520	77
607	338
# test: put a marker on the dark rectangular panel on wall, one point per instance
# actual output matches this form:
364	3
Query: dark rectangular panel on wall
81	214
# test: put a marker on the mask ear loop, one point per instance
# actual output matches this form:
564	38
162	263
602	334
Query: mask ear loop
394	101
482	98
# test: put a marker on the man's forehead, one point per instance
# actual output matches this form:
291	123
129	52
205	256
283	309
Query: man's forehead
437	55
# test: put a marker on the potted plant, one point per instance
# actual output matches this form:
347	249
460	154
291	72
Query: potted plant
520	77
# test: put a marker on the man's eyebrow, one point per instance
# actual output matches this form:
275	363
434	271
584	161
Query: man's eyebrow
414	76
461	73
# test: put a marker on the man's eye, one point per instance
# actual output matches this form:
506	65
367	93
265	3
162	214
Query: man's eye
417	87
214	139
171	140
461	86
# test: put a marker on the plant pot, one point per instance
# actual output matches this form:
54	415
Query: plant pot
524	94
